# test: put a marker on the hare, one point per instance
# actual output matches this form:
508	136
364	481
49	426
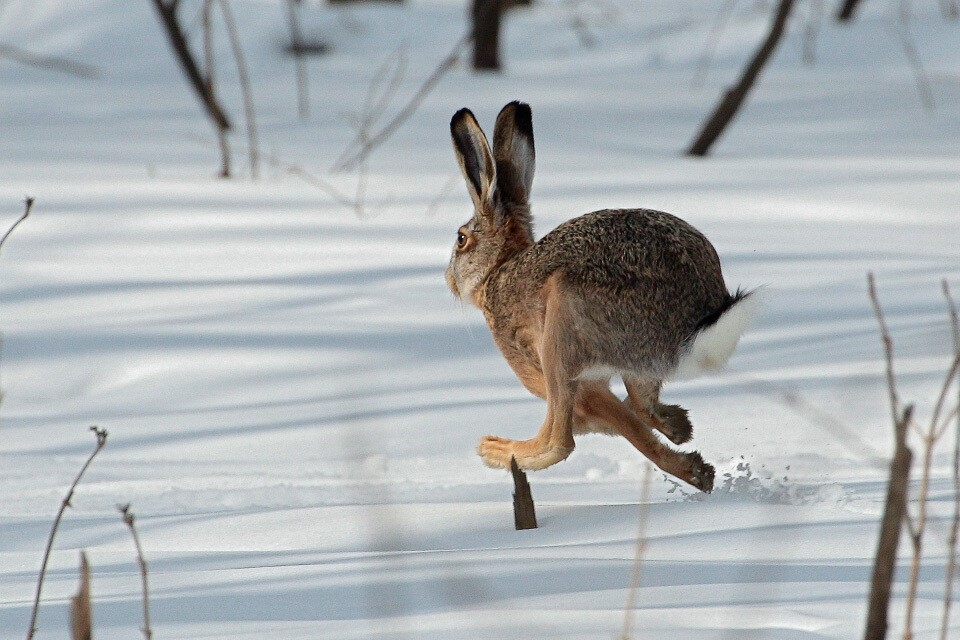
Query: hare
634	293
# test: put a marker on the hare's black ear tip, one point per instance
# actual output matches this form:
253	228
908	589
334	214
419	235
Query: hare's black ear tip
522	116
459	116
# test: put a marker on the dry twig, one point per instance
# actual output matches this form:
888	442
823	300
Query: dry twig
28	205
360	149
918	528
955	522
298	49
128	519
253	147
101	442
713	39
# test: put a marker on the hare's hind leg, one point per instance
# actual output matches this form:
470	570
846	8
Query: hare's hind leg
554	441
597	404
643	396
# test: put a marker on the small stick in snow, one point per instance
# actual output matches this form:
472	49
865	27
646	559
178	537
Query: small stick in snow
524	514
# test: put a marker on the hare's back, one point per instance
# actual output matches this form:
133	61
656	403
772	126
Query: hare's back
619	248
645	278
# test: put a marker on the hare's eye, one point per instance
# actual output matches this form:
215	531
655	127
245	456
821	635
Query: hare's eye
461	239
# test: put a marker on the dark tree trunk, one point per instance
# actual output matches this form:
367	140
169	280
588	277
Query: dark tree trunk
893	515
168	17
845	14
486	34
735	96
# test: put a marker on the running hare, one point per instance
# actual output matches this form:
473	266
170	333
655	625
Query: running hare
629	292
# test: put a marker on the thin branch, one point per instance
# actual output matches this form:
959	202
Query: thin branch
312	180
101	442
713	39
887	348
206	19
168	17
244	87
128	519
914	60
845	13
641	550
812	30
53	63
297	48
955	522
935	432
734	97
27	206
349	159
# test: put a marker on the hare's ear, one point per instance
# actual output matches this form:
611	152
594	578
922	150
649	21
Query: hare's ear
514	152
474	157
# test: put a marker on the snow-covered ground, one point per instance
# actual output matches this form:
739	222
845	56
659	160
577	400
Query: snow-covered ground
293	397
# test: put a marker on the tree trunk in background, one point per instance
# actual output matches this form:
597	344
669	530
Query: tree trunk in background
734	97
845	14
486	34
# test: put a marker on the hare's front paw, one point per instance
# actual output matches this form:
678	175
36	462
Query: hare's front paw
530	454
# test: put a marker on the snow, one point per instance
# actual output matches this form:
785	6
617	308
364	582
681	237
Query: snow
294	398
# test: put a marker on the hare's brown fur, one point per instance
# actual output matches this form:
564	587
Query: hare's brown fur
614	292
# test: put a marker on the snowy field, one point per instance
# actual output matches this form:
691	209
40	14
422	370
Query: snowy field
293	397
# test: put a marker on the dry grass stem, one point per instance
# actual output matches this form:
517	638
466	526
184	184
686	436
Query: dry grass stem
81	609
129	520
101	436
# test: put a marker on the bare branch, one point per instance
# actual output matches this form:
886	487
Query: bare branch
168	17
101	443
730	103
128	519
713	39
253	149
350	159
955	522
887	348
935	432
206	19
27	206
297	48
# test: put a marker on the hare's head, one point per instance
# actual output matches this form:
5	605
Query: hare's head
499	184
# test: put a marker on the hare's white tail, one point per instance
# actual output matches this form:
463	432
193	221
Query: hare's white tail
714	343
